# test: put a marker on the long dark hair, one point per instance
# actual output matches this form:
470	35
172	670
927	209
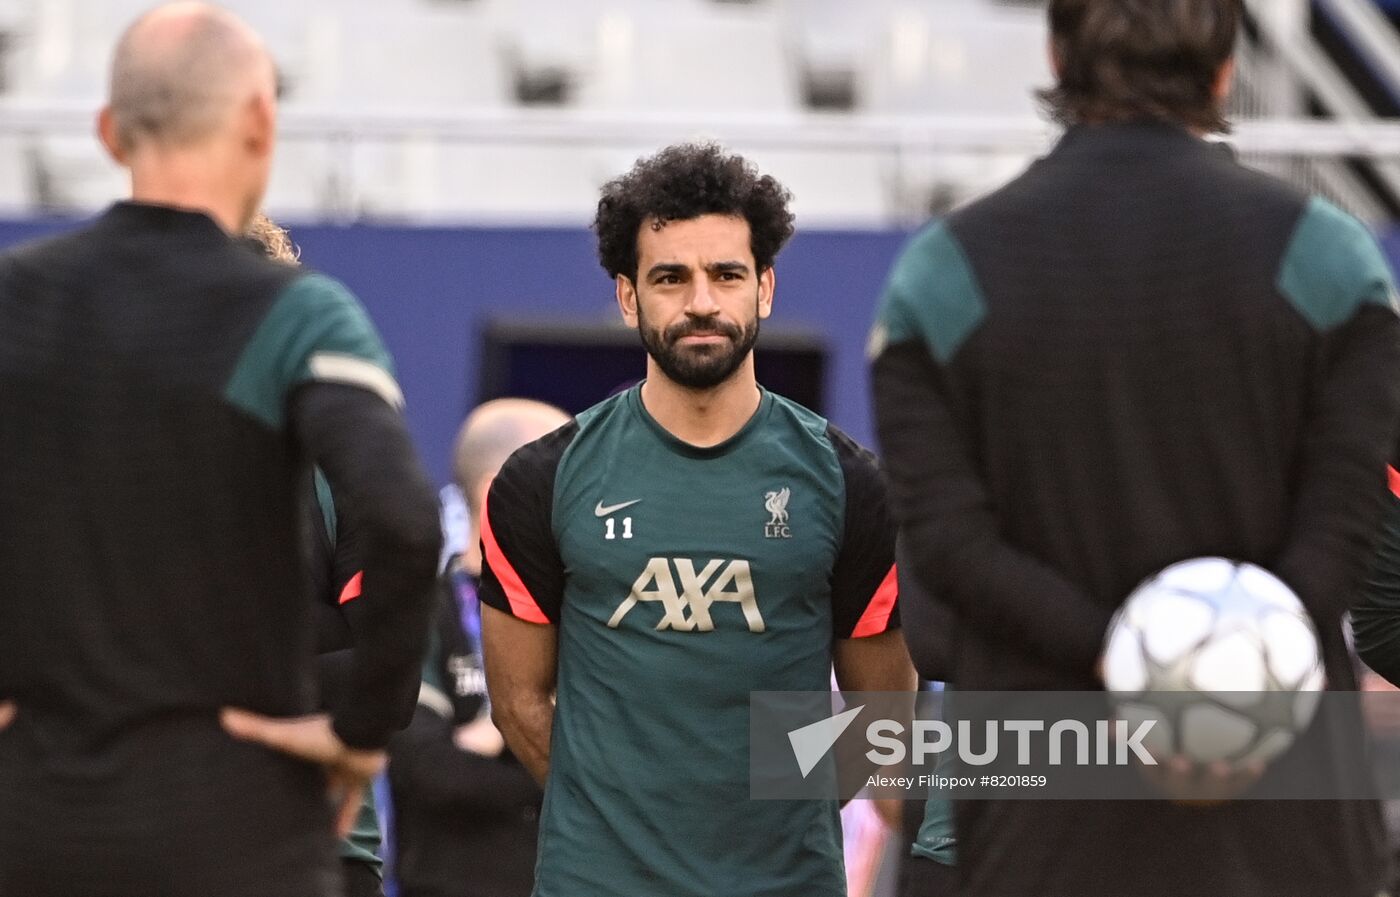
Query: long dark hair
1157	60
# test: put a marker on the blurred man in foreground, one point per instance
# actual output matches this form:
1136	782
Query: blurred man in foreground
337	584
1137	353
164	391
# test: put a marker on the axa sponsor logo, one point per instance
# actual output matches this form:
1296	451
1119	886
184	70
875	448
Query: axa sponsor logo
687	594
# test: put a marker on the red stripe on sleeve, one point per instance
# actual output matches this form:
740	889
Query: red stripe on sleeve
522	604
1394	476
352	588
876	618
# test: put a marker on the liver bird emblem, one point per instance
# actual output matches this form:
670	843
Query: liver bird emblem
776	504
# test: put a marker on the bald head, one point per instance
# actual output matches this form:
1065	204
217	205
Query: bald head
181	71
491	433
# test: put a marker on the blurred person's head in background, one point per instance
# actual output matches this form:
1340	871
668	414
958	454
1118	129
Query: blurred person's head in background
689	236
490	435
191	112
1167	61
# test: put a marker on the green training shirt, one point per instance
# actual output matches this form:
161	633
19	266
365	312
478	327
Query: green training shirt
680	580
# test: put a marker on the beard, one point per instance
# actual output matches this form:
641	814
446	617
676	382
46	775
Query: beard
698	367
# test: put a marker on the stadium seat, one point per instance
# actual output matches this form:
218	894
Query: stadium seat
499	184
444	58
728	60
546	42
63	48
971	59
830	41
74	175
441	59
830	187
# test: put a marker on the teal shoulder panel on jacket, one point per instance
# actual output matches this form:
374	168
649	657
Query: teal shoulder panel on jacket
1333	266
315	330
932	295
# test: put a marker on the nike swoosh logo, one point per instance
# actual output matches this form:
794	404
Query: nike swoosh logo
604	510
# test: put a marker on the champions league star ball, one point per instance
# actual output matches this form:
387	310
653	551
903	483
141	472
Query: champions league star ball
1221	656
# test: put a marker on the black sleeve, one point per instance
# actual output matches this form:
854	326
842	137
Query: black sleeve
333	631
427	769
328	583
334	638
928	623
1349	434
1376	618
362	446
864	587
347	574
522	573
956	546
342	602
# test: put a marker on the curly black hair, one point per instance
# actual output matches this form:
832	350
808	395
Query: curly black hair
685	181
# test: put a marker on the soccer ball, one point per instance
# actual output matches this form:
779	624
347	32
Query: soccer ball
1221	655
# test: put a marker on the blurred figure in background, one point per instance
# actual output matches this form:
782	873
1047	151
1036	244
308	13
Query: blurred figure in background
164	391
466	813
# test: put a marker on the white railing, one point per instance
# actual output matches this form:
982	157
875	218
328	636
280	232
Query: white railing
903	142
1305	137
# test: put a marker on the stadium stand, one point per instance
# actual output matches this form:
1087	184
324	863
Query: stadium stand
513	111
691	59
